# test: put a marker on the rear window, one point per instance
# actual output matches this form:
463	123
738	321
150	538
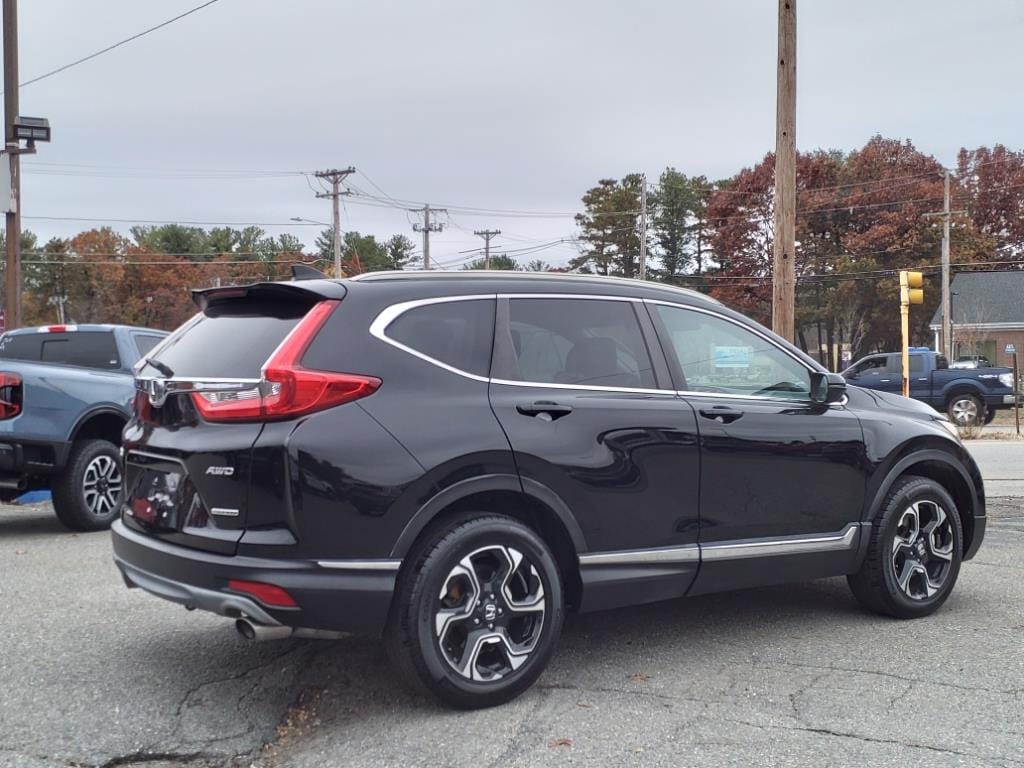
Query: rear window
232	339
22	346
88	349
457	333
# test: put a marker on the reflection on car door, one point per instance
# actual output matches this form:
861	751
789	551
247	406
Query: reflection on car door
590	414
782	478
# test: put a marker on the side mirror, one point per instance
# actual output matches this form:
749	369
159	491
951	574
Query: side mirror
827	388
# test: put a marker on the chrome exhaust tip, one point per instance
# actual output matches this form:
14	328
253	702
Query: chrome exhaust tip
259	632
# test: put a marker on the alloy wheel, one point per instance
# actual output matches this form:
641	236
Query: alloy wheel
101	485
490	613
922	550
965	411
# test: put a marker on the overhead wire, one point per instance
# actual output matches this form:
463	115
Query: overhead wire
118	44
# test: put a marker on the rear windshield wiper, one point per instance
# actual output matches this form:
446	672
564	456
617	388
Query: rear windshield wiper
164	369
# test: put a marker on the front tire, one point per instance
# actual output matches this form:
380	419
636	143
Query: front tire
87	494
477	611
915	551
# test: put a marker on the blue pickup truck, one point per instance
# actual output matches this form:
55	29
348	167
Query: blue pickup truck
967	395
65	396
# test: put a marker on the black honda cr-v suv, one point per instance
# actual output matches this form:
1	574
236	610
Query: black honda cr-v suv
456	460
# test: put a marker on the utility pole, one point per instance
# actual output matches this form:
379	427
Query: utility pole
947	302
643	226
487	234
13	218
426	228
335	177
784	257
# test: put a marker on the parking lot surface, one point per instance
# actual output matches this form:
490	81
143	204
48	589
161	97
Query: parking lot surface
92	674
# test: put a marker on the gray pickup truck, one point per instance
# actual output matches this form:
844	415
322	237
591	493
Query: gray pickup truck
65	395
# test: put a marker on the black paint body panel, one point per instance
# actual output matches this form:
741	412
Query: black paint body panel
624	471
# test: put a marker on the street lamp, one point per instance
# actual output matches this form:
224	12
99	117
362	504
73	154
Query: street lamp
301	220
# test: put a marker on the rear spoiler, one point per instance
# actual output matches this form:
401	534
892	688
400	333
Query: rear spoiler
310	289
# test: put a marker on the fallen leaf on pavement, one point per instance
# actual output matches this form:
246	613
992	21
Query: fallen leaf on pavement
19	551
640	677
556	743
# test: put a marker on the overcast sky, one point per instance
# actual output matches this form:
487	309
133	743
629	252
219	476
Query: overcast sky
499	105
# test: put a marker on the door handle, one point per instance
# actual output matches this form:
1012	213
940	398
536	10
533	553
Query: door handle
723	414
544	410
884	381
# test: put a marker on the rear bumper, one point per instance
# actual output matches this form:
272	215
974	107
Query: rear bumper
32	457
353	598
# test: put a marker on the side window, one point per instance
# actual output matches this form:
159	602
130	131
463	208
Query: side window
720	356
917	364
89	349
145	342
876	364
22	346
589	342
457	333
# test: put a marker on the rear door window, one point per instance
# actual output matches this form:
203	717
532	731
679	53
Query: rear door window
456	333
589	342
88	349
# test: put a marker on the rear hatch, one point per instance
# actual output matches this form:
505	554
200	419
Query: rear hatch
203	397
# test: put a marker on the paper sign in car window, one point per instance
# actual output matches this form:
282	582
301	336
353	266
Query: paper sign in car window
731	357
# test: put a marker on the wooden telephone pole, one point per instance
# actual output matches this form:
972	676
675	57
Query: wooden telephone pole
487	235
784	257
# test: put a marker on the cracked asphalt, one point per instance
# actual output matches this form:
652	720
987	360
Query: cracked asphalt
94	675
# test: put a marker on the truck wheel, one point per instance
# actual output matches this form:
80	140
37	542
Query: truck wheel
990	415
965	410
87	494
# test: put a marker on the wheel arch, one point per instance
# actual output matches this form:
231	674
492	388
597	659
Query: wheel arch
528	501
103	423
945	469
963	387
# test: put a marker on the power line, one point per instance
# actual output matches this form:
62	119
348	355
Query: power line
118	44
177	221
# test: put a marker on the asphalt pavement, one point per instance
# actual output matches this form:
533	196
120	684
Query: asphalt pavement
1002	465
92	674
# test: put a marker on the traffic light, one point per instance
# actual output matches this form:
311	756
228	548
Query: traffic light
912	283
911	292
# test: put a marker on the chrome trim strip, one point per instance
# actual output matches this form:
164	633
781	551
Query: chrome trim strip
689	553
730	550
746	548
389	314
361	565
583	387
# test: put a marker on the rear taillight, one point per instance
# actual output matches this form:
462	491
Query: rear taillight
10	395
142	408
288	390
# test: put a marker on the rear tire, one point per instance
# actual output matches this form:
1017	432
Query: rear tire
477	611
966	410
87	494
914	554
